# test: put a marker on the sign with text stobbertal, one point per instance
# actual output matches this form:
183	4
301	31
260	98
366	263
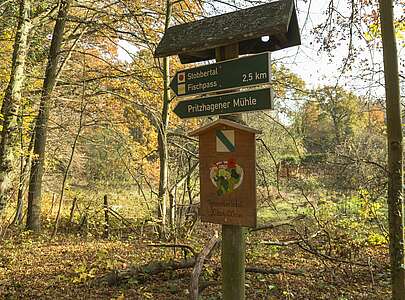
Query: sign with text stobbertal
230	74
227	155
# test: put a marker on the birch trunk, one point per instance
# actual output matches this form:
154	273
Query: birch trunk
11	103
25	163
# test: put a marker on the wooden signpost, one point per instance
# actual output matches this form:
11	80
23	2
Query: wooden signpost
227	173
225	104
230	74
227	149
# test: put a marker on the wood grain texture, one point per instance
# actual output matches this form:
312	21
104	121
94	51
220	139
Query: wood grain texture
239	206
196	41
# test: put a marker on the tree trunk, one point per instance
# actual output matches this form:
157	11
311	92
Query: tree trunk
72	210
394	141
25	163
162	137
11	102
37	169
163	178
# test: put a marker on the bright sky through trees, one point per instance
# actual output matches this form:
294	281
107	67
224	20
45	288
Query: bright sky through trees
316	67
319	68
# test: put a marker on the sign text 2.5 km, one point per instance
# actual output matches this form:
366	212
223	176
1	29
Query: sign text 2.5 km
230	74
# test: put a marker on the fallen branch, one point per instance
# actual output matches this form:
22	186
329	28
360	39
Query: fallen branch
291	242
281	244
124	221
331	258
118	277
140	273
274	271
204	254
206	284
184	247
278	224
119	217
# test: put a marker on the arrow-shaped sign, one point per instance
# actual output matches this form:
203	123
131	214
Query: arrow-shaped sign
230	74
253	100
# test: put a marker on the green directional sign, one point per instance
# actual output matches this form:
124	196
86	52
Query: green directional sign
253	100
230	74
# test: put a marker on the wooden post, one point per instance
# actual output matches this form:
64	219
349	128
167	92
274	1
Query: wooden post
84	224
53	203
72	210
233	237
106	218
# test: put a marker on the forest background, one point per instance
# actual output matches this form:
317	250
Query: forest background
86	120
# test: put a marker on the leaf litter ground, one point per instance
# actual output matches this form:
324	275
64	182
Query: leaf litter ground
68	267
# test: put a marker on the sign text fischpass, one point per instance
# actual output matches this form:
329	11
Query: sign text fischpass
241	72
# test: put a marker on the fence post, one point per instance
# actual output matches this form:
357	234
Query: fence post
106	219
72	210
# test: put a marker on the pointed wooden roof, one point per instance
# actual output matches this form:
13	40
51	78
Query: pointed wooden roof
226	122
196	41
